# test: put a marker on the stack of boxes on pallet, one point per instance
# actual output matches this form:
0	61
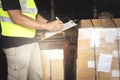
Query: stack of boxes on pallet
52	64
98	50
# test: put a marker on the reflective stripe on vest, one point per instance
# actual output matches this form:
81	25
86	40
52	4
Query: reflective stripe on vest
0	5
10	29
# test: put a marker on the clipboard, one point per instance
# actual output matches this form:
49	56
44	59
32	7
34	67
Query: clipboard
66	26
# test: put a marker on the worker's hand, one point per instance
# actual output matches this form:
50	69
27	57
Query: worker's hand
54	25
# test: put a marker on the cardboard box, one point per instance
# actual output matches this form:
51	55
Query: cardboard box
103	40
52	64
57	68
87	54
83	71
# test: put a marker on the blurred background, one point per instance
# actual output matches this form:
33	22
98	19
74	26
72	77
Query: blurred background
79	9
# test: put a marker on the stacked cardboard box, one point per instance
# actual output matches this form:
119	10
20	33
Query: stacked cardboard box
107	54
85	56
97	56
117	23
57	69
52	63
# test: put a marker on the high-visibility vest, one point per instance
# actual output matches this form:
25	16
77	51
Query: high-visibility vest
10	29
0	11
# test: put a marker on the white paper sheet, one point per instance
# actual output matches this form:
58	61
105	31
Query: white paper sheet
115	53
110	36
115	73
104	63
54	54
91	64
118	33
84	33
95	38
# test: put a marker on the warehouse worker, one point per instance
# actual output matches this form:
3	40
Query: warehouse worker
18	38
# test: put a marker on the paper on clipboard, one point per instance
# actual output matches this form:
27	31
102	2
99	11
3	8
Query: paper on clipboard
66	26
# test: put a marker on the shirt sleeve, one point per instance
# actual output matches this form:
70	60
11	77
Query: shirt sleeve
10	4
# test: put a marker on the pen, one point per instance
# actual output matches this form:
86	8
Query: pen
57	18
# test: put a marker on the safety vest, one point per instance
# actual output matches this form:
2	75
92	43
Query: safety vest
0	11
10	29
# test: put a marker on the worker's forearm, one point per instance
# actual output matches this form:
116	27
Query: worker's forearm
30	23
20	19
